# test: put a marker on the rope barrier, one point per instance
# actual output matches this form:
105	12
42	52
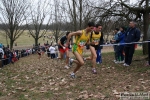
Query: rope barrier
117	44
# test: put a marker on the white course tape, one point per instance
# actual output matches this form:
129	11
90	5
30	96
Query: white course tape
117	44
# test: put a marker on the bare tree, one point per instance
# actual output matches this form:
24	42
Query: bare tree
142	11
40	14
59	18
72	12
12	17
80	13
123	8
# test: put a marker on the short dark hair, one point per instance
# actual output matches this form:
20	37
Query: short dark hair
90	24
117	29
134	22
97	25
67	33
123	28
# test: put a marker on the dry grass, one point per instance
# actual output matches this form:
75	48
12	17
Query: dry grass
31	79
24	40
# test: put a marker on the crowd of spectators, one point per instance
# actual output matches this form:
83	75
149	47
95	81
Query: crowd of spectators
8	56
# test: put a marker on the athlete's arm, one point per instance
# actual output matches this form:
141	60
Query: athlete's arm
77	33
88	42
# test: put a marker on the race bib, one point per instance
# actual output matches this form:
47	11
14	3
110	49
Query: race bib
96	41
82	43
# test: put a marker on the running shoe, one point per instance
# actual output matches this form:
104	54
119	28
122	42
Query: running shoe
72	75
70	61
66	67
94	71
126	65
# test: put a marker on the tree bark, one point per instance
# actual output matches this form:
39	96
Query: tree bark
145	28
36	41
56	36
6	39
11	44
75	17
80	1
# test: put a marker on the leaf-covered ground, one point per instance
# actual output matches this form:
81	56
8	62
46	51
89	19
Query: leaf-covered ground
31	79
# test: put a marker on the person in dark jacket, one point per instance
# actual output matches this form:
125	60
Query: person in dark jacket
131	35
99	54
120	49
114	41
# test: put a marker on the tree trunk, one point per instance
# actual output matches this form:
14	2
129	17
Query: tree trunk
11	40
80	1
145	29
74	15
36	41
148	33
11	43
7	39
56	37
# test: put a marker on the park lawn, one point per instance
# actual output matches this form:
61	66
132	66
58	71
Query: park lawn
31	79
24	39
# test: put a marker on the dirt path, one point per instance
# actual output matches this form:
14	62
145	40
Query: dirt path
47	79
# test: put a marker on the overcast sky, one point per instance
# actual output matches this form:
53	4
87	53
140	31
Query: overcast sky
52	2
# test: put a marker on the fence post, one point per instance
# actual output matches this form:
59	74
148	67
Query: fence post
149	52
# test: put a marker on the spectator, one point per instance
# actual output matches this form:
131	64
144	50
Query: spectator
27	52
39	53
56	47
18	56
131	35
19	53
114	41
48	52
1	45
120	49
33	50
47	43
52	52
98	52
14	56
43	50
1	53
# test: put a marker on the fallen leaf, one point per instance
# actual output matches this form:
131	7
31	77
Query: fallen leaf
115	92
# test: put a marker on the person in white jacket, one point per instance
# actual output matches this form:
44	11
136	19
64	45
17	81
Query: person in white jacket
52	52
1	53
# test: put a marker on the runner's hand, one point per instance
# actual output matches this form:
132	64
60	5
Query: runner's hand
64	47
92	43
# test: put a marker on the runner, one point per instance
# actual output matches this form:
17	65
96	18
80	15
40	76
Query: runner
96	39
82	37
63	49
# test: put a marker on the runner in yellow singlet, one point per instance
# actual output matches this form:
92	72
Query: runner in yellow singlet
96	39
82	37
